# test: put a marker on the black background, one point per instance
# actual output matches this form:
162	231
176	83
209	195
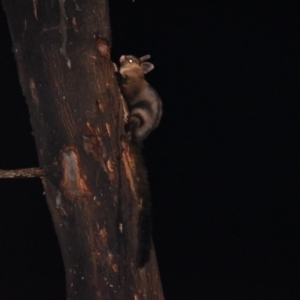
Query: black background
223	165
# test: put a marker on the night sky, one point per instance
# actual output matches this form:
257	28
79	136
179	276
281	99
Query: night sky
223	165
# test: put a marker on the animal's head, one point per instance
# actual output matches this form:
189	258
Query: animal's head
132	62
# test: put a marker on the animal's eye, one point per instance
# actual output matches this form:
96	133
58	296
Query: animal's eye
130	60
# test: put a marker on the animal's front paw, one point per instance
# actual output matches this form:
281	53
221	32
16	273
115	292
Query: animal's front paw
116	68
126	117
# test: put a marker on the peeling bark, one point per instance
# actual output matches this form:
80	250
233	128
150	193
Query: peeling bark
63	57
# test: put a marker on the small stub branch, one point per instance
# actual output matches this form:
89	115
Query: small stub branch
22	173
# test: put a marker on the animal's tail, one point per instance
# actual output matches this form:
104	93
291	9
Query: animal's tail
144	230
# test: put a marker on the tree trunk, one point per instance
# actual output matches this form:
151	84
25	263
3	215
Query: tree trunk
64	66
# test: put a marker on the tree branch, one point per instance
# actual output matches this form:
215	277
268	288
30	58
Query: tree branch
22	173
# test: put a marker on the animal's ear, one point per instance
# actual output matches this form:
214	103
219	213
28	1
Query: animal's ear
145	57
146	67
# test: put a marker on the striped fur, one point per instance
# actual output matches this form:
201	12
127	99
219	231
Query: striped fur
144	104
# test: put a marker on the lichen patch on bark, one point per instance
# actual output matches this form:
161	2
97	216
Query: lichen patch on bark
73	182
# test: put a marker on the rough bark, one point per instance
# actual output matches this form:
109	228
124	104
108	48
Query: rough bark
77	119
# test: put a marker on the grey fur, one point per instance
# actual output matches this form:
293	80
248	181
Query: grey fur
145	107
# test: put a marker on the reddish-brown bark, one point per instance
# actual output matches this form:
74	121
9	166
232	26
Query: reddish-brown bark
77	120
